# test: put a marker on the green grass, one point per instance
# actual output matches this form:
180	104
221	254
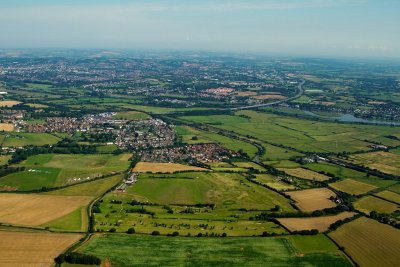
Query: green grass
343	172
137	250
273	182
75	221
94	188
31	178
223	189
24	139
395	188
312	244
54	170
131	115
301	134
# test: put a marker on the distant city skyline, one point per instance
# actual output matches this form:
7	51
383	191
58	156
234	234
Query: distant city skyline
351	28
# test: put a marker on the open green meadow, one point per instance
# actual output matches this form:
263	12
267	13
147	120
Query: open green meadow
191	203
131	115
301	134
136	250
343	172
274	182
24	139
53	170
208	188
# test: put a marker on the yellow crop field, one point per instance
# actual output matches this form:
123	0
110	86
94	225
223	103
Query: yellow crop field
34	210
384	161
352	187
26	249
320	223
6	127
369	242
312	199
305	174
388	195
9	103
155	167
371	203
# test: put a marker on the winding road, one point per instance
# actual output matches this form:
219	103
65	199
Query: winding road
299	93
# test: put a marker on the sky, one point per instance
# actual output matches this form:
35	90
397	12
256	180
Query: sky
345	28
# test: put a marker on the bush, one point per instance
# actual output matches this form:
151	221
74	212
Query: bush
131	230
155	233
175	233
112	230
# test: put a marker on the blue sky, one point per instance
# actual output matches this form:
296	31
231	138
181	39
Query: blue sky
356	28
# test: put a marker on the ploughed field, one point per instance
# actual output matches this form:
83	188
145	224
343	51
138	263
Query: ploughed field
24	249
369	242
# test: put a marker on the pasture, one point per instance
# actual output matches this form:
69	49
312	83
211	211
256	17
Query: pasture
369	242
370	203
352	187
226	190
131	115
52	170
274	182
320	223
301	134
344	173
25	139
35	209
91	189
155	167
135	250
312	199
33	248
305	174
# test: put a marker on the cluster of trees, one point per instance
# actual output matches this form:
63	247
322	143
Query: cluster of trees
384	218
265	216
99	137
339	223
65	146
5	170
78	258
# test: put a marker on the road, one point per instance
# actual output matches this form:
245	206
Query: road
299	93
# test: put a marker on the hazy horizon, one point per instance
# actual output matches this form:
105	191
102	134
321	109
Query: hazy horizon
353	28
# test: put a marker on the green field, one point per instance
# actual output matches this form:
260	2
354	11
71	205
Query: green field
343	172
191	202
208	188
274	182
136	250
53	170
131	115
4	159
301	134
24	139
